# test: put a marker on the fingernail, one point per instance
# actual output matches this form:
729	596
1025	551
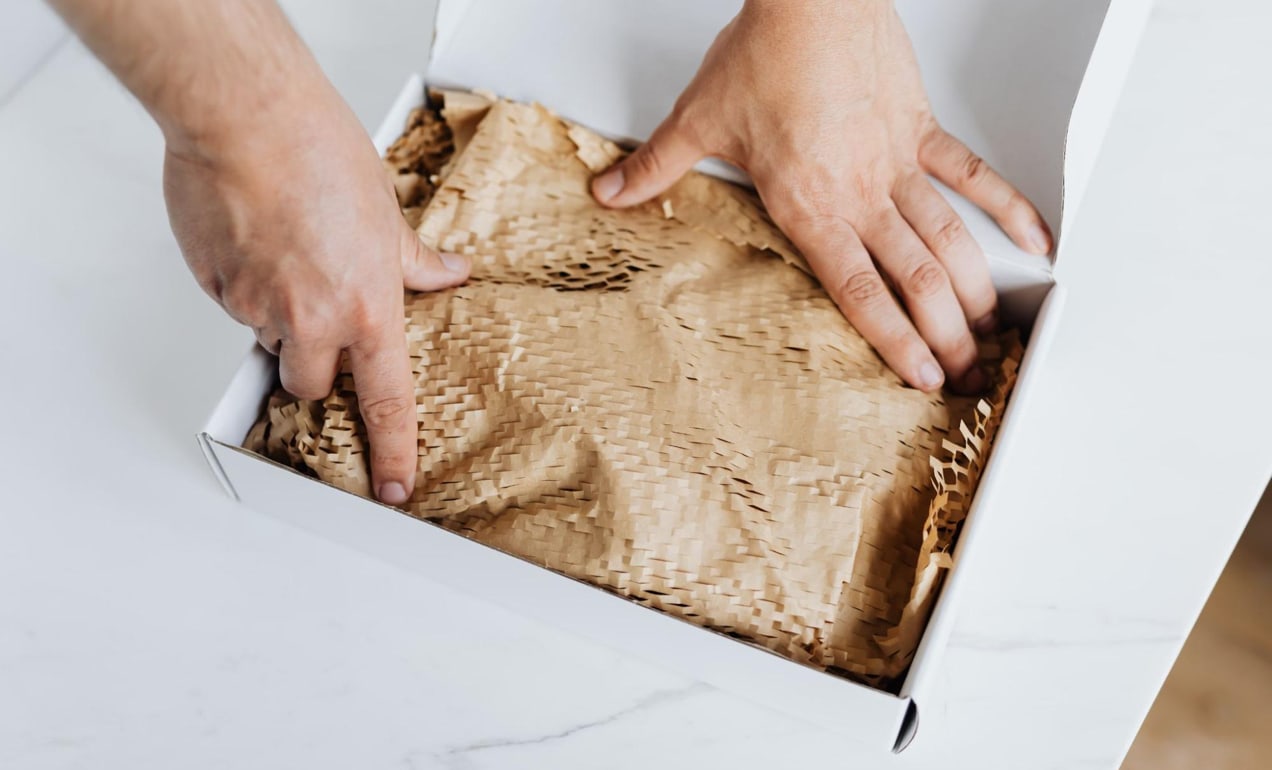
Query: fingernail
1039	240
456	263
930	376
987	324
392	493
608	185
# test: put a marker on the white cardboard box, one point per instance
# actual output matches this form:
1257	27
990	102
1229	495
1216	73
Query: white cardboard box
1030	84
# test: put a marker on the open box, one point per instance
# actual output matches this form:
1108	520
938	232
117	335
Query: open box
1028	83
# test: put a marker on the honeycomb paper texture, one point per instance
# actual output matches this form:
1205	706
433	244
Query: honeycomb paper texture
661	401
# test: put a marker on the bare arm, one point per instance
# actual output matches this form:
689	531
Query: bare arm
206	71
278	200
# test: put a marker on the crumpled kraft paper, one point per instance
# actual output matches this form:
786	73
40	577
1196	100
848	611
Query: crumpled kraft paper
661	401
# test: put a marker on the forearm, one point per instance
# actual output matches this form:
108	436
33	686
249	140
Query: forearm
823	7
206	70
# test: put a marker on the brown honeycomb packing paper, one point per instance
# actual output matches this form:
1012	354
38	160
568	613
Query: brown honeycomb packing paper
661	401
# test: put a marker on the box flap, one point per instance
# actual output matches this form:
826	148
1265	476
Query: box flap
244	399
860	714
1005	76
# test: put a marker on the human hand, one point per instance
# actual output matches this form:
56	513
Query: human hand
292	225
821	102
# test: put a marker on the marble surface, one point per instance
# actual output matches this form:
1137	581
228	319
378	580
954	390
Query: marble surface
29	33
147	621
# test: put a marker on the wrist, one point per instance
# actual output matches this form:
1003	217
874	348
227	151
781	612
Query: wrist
231	103
249	121
814	14
811	5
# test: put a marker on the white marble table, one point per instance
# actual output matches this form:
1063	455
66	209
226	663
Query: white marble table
147	621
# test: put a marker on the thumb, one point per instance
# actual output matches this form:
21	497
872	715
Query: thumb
425	270
651	169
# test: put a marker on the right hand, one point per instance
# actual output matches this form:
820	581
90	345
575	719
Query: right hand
292	225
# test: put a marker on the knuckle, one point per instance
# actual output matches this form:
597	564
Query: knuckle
366	318
387	412
949	234
828	226
817	188
925	280
646	161
301	329
240	298
870	186
283	300
862	288
973	168
807	196
299	323
880	222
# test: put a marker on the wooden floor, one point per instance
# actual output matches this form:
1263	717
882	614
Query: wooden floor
1215	710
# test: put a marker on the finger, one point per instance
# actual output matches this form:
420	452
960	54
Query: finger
308	370
945	235
842	264
425	270
651	169
386	401
950	161
928	293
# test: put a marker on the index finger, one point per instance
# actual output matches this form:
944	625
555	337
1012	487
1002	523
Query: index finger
950	161
386	401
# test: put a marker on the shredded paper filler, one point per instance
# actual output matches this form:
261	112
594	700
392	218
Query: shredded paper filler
661	401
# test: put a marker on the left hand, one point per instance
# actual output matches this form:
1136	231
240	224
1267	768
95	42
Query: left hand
821	102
